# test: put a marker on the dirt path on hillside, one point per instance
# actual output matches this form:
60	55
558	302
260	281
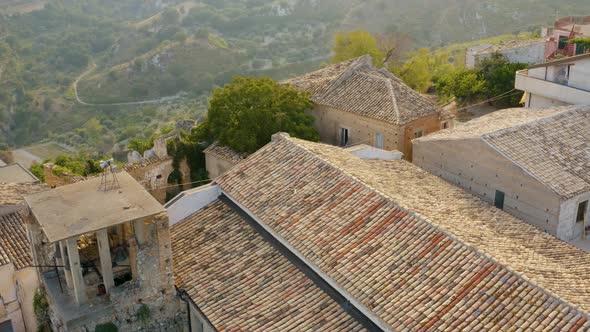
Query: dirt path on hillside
143	102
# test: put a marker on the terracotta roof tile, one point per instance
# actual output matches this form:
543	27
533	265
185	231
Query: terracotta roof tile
14	244
420	253
358	87
142	163
13	193
225	153
241	283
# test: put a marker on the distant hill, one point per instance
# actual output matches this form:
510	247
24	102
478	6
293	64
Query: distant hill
21	6
147	49
439	22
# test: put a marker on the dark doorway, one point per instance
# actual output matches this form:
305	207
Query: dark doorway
499	200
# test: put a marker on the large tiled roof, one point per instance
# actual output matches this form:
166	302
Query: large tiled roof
356	86
14	193
225	153
419	253
14	245
241	283
553	145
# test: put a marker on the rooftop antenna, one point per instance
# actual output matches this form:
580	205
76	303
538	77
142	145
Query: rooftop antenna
109	176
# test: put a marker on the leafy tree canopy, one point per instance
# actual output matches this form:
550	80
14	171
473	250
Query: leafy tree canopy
244	114
350	45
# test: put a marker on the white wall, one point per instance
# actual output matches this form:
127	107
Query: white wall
9	305
191	201
580	75
568	228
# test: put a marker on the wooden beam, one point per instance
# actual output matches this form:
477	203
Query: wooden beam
76	268
106	264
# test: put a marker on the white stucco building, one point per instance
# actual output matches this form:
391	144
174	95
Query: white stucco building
560	82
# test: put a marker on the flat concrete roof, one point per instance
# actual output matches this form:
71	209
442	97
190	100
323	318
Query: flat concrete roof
16	173
82	207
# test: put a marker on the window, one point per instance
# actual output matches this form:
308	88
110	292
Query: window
445	125
499	200
582	210
344	137
562	42
379	141
418	133
6	326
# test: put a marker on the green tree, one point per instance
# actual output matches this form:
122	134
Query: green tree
247	112
461	83
417	72
499	75
349	45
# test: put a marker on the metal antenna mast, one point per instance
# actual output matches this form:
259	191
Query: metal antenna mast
109	176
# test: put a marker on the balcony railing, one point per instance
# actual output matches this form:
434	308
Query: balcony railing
552	90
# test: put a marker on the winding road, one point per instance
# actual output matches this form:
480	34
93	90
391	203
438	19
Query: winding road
143	102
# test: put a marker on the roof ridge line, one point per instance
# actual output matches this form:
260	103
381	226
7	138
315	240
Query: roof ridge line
567	109
485	138
360	62
423	218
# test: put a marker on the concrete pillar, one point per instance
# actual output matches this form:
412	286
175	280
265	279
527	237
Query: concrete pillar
65	262
77	278
139	228
104	251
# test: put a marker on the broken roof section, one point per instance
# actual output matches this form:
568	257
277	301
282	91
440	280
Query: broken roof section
358	87
82	207
551	144
414	250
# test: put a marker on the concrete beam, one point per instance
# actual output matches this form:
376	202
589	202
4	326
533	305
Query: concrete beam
76	268
64	259
106	264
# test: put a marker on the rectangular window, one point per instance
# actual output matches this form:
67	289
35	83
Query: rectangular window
445	125
379	141
562	42
6	326
582	210
344	137
499	200
418	133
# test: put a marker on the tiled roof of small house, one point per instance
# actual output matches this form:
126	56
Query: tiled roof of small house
225	153
509	45
418	252
14	244
14	193
142	163
553	144
16	173
241	283
356	86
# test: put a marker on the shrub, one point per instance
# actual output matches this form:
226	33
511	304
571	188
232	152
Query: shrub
106	327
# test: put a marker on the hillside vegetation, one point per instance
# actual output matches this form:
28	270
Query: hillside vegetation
147	49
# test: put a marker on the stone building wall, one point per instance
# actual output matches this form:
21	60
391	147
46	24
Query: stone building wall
474	166
216	165
363	130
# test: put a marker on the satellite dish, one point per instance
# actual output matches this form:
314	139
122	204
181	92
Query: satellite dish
106	163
